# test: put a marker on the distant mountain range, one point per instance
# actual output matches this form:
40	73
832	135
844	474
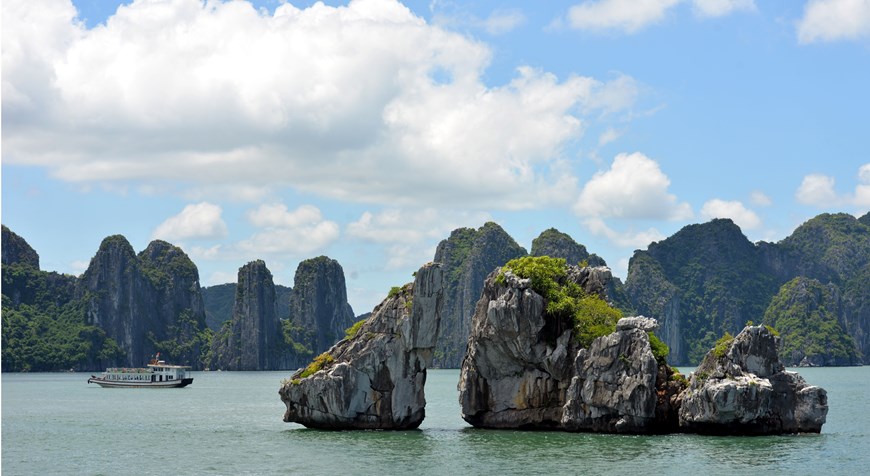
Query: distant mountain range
813	287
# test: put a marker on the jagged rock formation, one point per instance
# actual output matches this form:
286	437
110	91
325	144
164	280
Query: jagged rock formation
375	378
741	387
253	338
526	370
468	256
709	279
147	303
15	250
319	310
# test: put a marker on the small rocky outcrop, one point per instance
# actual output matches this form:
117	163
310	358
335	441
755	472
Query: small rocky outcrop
616	384
374	378
741	387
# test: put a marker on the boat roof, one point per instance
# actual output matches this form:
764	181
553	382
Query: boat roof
171	366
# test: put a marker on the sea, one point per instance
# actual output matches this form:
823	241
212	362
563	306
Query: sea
230	423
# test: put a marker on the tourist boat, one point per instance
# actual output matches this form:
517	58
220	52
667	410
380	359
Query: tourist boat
158	374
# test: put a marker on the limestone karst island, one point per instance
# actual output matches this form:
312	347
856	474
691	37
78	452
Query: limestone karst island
546	339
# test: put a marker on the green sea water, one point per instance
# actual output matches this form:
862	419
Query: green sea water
230	423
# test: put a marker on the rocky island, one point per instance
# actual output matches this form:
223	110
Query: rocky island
374	378
531	365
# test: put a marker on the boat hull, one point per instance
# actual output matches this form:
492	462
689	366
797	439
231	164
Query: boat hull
122	384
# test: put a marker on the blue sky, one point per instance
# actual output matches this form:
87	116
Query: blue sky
367	130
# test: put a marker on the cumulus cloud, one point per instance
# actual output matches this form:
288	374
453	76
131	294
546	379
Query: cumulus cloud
197	221
628	16
862	190
298	232
412	226
321	99
719	8
817	190
634	187
832	20
745	218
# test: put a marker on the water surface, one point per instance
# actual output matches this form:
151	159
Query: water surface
230	423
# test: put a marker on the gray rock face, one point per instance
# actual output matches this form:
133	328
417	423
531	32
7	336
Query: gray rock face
252	339
468	256
746	390
517	367
375	378
318	304
614	385
147	303
523	370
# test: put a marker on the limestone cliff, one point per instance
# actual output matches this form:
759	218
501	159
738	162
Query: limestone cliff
708	279
741	387
147	303
374	378
319	311
253	338
468	256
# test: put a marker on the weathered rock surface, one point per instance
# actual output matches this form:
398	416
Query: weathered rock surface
375	378
614	385
524	370
319	309
746	390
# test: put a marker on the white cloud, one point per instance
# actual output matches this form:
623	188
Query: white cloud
298	232
625	239
745	218
196	221
219	94
503	21
862	190
719	8
634	187
817	190
412	226
760	198
832	20
629	16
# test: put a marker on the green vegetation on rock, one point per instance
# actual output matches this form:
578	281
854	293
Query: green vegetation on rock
591	316
353	330
319	362
805	314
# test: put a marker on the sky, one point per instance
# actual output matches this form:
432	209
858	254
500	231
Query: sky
367	130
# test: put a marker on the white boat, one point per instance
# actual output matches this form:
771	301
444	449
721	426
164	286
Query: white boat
158	374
